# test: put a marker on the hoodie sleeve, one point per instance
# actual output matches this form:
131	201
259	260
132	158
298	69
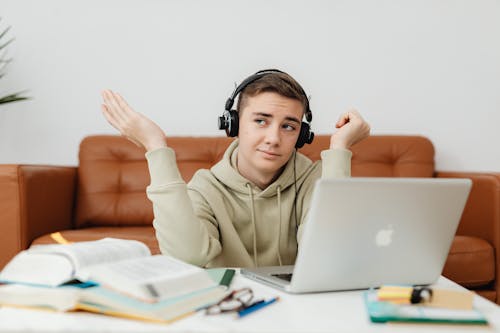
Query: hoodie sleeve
184	223
335	163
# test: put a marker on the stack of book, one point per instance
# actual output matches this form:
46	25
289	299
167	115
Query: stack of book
422	305
109	276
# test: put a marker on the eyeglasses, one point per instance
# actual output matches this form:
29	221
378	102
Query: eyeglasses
237	300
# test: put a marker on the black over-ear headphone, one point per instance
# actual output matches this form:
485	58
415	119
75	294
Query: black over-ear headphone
229	120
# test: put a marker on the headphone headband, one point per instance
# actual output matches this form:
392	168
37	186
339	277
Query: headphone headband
229	121
255	77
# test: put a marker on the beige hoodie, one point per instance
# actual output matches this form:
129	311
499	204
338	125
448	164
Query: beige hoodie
222	219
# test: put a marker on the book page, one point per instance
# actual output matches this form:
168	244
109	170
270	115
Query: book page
153	277
436	313
150	269
38	268
84	254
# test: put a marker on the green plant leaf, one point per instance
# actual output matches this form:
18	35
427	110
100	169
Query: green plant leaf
4	32
4	61
12	98
2	35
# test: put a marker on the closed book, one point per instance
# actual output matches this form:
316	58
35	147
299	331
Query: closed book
46	298
105	301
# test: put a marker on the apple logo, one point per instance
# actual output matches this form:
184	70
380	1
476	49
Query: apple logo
384	236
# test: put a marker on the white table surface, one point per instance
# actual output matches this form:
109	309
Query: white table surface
321	312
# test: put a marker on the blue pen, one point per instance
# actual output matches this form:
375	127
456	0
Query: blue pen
256	307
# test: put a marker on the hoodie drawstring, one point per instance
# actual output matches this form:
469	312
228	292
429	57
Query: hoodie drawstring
279	226
256	263
255	258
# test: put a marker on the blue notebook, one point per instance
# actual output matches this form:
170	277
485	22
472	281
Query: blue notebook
381	312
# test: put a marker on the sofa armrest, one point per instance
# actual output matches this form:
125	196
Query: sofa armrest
34	200
481	216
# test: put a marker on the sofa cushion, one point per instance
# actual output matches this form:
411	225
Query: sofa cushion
471	262
384	156
113	176
144	234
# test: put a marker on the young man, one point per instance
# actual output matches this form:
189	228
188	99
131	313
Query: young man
248	209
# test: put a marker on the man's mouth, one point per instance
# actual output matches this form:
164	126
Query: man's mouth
269	153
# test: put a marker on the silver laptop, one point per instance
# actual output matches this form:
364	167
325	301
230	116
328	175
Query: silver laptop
366	232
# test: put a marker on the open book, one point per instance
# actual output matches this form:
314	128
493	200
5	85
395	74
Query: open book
121	265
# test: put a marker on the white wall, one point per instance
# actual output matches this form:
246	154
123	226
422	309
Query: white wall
411	67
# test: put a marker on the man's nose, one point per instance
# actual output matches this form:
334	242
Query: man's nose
273	135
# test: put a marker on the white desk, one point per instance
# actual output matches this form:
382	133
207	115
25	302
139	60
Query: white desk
324	312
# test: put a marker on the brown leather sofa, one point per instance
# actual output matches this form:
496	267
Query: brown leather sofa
105	196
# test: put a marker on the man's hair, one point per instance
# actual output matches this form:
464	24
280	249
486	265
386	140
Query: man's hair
280	83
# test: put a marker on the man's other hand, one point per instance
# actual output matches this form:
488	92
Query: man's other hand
352	128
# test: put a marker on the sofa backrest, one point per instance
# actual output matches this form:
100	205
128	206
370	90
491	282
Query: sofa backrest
113	173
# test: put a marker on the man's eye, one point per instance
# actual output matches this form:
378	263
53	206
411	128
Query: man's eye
289	127
260	121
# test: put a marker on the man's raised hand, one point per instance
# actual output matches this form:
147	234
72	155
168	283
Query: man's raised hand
131	124
352	128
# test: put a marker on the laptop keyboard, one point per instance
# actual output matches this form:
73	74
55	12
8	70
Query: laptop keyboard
286	277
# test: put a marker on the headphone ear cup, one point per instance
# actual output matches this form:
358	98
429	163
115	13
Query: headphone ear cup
233	124
229	122
305	136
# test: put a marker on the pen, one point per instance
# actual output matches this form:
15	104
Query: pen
257	306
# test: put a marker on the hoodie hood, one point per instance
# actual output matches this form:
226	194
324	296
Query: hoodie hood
227	172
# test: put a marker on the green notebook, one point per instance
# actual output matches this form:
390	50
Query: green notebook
222	276
381	312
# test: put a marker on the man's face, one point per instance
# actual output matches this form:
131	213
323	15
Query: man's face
269	126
